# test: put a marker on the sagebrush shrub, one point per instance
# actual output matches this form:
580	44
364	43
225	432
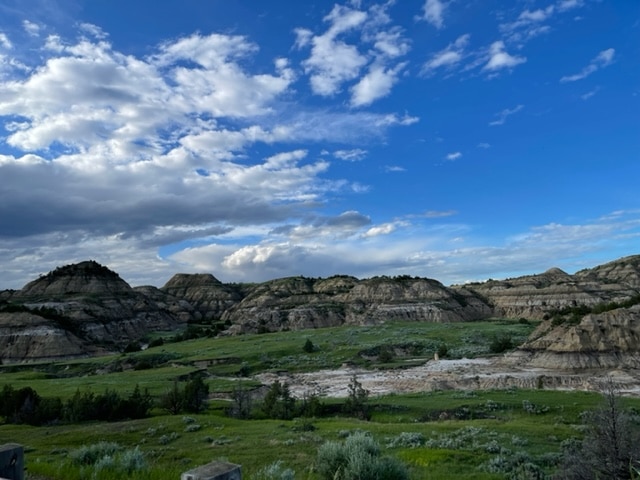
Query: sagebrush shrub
358	458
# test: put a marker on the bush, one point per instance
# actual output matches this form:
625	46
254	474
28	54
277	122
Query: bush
407	440
275	471
308	346
91	454
609	449
358	458
109	456
501	344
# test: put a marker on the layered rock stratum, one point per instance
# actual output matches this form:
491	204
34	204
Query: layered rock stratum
588	319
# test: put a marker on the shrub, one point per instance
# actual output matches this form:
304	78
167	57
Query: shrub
407	440
501	344
358	458
609	449
308	346
275	471
91	454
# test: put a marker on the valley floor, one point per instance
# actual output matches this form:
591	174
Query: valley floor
459	374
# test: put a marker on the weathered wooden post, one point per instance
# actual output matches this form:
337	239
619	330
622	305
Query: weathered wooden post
214	471
11	462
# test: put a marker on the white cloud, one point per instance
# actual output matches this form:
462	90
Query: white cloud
354	155
376	84
484	145
383	229
603	59
5	42
589	94
453	156
440	213
32	29
499	58
531	23
93	30
538	15
564	5
504	114
449	56
434	11
156	150
332	61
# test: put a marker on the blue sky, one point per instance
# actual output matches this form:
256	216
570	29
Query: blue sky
456	140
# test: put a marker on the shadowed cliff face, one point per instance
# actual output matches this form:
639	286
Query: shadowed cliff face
86	309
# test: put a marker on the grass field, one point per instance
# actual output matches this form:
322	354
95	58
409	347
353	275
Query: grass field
439	435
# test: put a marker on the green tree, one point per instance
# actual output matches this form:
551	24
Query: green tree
241	402
173	400
278	402
357	402
196	393
609	449
308	346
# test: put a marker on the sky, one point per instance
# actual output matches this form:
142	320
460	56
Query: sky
450	139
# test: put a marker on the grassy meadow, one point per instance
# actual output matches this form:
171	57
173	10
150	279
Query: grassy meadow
438	435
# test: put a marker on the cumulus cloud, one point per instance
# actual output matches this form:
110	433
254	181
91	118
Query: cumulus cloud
334	62
127	156
603	59
498	58
453	156
502	117
377	83
445	251
434	11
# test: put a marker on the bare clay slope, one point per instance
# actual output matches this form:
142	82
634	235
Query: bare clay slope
298	302
77	310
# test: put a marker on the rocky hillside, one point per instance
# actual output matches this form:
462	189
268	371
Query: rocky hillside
297	303
78	310
540	296
87	309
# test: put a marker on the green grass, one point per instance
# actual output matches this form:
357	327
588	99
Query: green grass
525	422
170	448
250	354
